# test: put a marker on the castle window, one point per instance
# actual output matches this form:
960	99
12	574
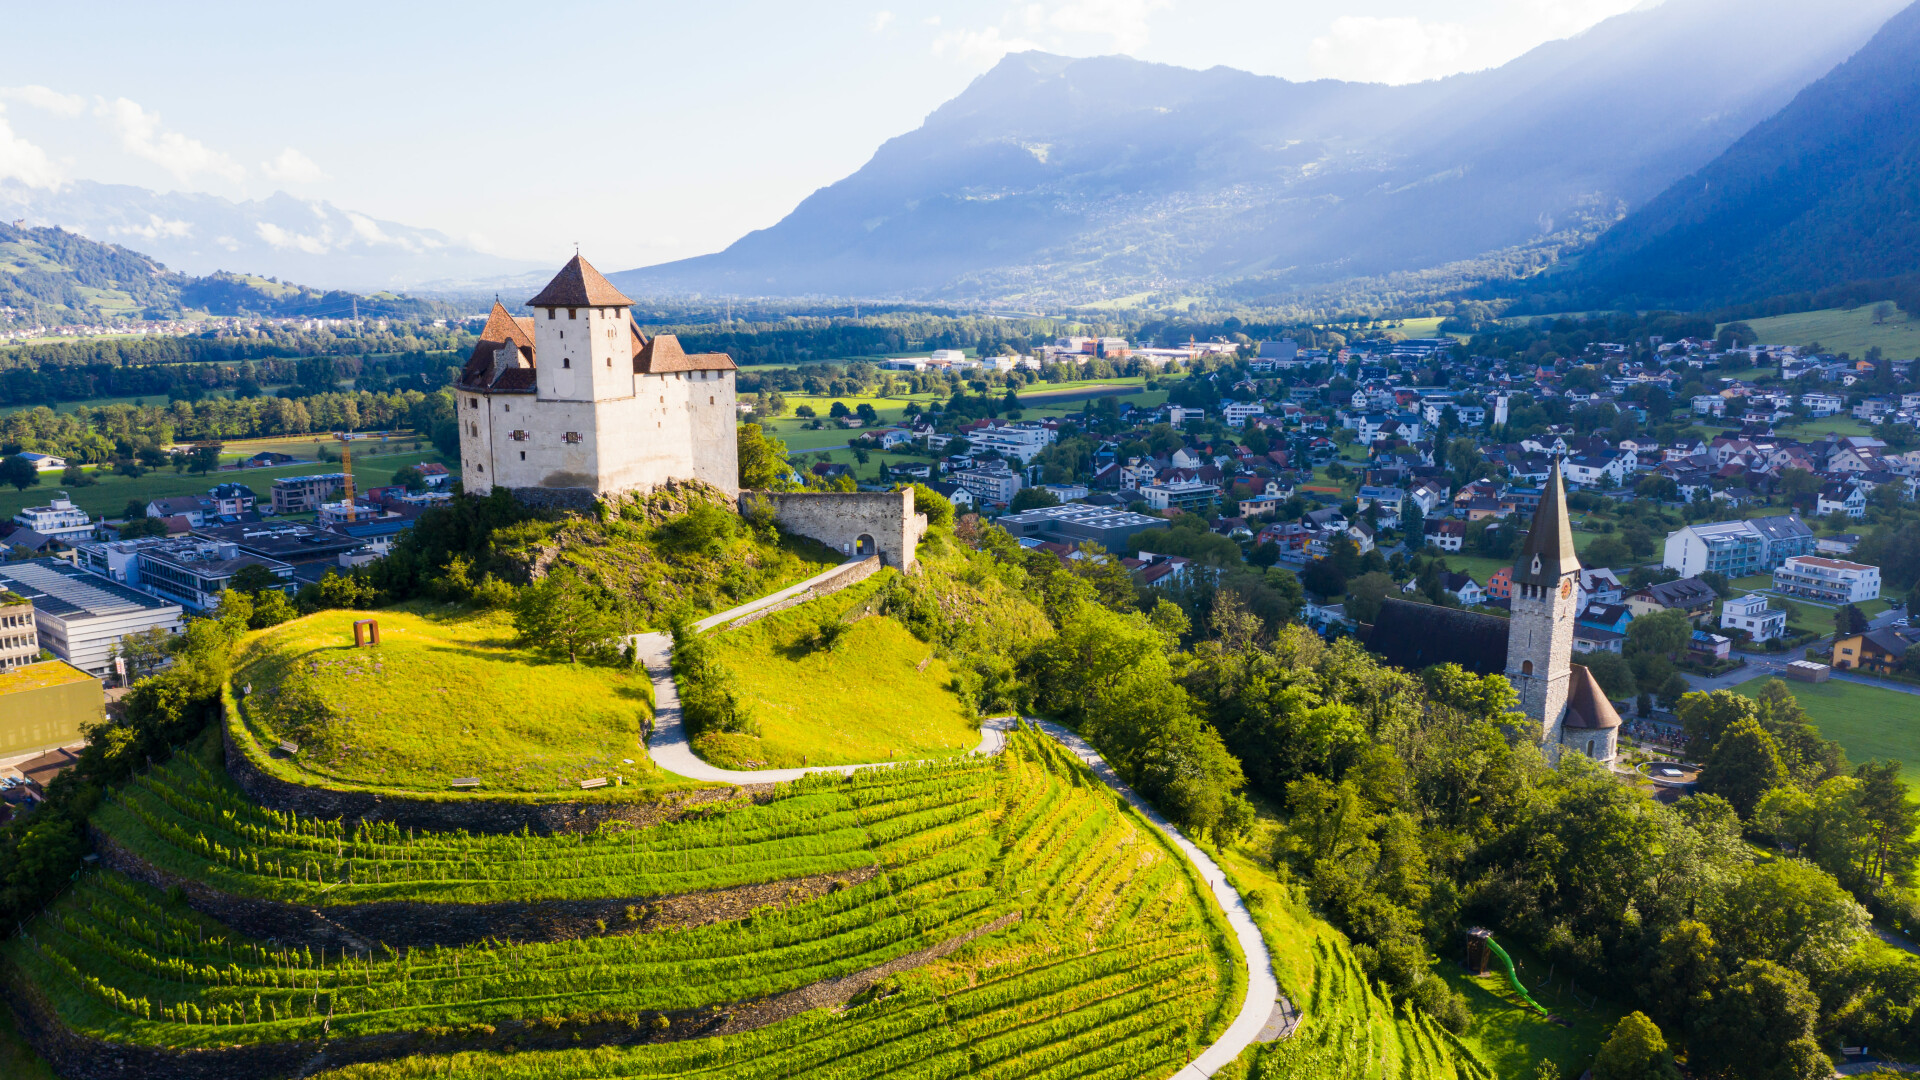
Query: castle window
518	436
477	467
571	437
473	403
1526	667
550	312
573	313
709	399
506	406
523	455
473	429
566	361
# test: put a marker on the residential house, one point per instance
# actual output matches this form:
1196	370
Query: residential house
59	520
1689	594
1827	581
1464	587
1753	614
988	485
1713	648
1841	498
1447	534
1500	585
1878	651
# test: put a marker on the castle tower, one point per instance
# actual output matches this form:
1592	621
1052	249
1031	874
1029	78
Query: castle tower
581	336
1545	596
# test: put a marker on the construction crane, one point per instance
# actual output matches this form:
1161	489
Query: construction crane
346	466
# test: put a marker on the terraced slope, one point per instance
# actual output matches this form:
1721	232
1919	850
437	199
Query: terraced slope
1351	1031
1013	918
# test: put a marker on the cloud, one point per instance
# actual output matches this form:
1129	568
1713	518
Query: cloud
1400	49
1407	49
292	167
881	19
23	161
293	241
1125	21
979	46
40	97
141	135
156	228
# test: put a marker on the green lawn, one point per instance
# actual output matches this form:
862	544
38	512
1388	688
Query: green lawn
1870	722
1041	400
1513	1038
865	699
1848	330
109	493
17	1060
446	694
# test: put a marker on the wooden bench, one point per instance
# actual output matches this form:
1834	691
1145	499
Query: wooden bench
598	781
466	781
289	748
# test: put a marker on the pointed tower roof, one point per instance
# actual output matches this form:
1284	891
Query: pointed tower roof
578	284
1548	554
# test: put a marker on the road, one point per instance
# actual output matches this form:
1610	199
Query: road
1265	1014
1774	665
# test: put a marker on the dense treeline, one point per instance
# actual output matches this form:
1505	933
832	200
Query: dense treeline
119	433
313	373
794	340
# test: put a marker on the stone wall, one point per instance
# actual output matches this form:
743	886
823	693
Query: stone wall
474	813
849	574
842	519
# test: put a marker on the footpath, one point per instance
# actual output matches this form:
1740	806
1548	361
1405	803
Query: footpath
1265	1015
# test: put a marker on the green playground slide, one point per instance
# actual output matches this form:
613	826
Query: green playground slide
1507	962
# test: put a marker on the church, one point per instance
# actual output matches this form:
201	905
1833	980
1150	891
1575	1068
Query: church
1533	649
574	403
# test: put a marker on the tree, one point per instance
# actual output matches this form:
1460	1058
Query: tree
1635	1051
937	507
763	459
1032	498
1848	621
254	577
1607	551
19	472
1791	913
1760	1027
562	613
205	458
1659	633
1614	674
74	476
1744	765
1365	593
838	410
408	476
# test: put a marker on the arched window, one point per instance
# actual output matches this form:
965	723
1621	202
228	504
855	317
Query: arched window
1589	747
1526	667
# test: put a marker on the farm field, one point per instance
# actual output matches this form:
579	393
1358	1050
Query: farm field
867	697
1040	400
447	694
109	494
1869	721
1025	921
1849	330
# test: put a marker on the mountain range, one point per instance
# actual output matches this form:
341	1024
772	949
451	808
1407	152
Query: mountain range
280	236
1064	179
1824	192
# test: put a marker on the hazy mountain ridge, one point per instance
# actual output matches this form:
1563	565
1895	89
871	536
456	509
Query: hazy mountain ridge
280	236
1058	176
1824	192
55	277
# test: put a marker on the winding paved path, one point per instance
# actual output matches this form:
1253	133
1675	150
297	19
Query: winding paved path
1264	1015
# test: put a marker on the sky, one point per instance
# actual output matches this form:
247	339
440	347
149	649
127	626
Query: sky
643	131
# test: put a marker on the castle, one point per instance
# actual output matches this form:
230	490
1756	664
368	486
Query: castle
1533	649
574	402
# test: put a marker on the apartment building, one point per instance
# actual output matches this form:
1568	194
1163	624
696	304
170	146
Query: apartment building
1827	581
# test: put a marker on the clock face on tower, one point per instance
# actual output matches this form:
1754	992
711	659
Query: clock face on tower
1566	588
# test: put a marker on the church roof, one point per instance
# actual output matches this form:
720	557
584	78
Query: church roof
1587	704
1417	636
1548	554
578	284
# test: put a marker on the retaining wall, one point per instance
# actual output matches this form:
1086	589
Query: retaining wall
850	574
841	519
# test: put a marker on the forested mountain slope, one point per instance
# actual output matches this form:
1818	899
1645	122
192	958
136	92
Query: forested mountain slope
52	277
1825	192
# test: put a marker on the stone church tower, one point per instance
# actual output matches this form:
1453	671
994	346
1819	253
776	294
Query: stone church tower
1545	602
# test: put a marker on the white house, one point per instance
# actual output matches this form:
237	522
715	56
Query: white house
59	519
1827	581
1841	499
1751	613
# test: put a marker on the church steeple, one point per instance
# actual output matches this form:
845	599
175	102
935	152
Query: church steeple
1548	555
1540	635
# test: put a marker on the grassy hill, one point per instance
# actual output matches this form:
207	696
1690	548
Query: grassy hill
877	693
1026	922
1849	330
447	694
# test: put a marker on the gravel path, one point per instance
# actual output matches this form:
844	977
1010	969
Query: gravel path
1264	1016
